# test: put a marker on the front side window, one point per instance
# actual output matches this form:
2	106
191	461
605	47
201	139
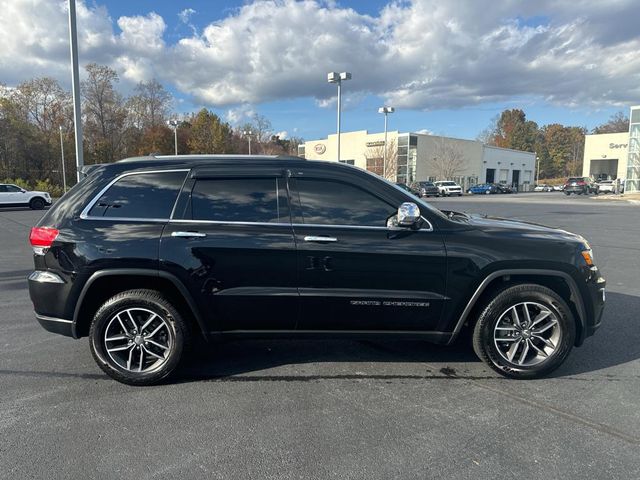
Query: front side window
140	196
262	200
13	189
329	202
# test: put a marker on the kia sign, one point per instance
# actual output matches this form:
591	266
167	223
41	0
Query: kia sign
320	148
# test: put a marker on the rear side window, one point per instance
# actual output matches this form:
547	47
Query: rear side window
328	202
261	200
141	195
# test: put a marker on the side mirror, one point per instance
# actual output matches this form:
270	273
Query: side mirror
408	214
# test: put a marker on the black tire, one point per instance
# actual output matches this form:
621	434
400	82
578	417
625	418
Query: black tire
567	193
177	330
483	333
36	203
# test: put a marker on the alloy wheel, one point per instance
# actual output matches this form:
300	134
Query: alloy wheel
527	334
138	340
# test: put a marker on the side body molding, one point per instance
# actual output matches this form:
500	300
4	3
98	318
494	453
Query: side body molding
139	272
575	293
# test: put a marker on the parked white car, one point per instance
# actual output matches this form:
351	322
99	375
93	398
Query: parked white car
606	186
543	188
12	195
448	188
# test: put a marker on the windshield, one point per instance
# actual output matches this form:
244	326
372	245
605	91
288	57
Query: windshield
575	179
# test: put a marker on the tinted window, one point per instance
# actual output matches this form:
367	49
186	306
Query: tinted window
326	202
240	200
3	188
142	195
13	189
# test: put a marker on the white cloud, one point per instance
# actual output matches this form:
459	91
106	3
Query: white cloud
418	54
283	135
424	131
242	114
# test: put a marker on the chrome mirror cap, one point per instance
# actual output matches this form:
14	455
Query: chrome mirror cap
408	214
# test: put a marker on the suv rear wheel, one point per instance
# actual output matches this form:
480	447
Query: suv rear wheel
526	331
138	337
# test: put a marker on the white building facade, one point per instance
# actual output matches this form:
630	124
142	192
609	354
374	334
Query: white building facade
418	156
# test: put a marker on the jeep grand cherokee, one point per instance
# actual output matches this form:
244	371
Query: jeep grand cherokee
146	253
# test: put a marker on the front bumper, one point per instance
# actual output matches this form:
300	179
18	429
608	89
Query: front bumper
594	303
56	325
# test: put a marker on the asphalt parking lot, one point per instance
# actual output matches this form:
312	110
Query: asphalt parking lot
332	409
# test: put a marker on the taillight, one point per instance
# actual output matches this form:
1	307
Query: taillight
41	238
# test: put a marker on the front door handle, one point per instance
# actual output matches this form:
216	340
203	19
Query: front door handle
188	234
312	238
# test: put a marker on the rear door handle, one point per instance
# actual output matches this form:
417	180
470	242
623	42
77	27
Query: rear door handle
312	238
188	234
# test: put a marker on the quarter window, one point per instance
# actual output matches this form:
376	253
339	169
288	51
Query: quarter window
141	195
261	200
327	202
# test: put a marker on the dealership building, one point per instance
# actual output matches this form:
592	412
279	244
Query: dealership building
615	155
419	156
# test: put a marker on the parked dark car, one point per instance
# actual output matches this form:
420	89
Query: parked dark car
146	254
504	188
580	186
483	188
424	189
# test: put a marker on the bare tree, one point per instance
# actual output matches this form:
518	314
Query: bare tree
448	160
375	157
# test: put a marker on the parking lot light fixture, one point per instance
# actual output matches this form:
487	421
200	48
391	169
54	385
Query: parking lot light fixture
386	111
174	124
248	133
338	78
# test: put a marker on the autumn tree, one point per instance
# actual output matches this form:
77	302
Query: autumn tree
208	134
513	130
104	114
617	123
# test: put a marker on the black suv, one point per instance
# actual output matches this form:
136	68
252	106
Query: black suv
146	253
425	189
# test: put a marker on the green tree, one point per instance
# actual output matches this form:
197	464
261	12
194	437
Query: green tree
208	134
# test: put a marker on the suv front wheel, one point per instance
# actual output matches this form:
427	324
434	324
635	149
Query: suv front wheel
138	337
526	331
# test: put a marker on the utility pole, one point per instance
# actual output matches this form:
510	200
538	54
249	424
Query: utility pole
75	87
64	175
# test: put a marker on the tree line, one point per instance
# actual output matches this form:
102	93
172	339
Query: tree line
560	148
36	114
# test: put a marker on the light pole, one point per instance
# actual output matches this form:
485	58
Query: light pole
64	175
335	77
248	133
386	111
537	170
75	87
174	124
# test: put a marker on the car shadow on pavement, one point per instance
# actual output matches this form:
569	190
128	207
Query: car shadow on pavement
616	342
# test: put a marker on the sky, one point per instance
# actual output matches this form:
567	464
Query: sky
448	67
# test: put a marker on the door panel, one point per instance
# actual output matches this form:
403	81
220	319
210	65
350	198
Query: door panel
363	276
236	253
